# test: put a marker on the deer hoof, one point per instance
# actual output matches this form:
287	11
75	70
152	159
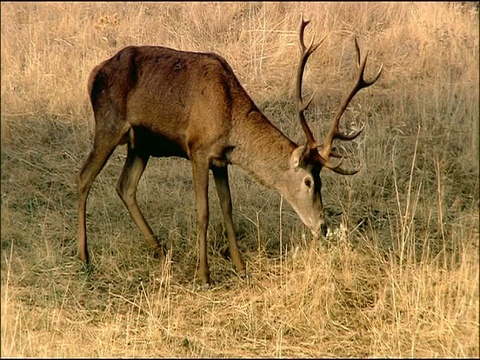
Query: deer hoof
243	275
88	268
160	252
203	287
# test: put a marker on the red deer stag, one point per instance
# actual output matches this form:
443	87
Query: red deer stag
164	102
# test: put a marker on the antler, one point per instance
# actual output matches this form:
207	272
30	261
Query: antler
302	106
326	153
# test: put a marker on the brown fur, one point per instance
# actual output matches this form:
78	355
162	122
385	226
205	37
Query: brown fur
164	102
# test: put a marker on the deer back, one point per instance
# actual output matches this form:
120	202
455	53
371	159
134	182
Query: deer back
188	99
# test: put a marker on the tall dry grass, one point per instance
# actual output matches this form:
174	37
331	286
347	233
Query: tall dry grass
399	273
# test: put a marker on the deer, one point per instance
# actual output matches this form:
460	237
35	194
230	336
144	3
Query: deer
163	102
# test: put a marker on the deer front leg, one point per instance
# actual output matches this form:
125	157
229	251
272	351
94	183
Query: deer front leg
200	178
220	174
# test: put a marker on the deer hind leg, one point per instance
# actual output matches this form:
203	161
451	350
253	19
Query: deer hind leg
127	188
201	169
103	147
220	175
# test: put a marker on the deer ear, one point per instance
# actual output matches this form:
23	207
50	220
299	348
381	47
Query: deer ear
297	157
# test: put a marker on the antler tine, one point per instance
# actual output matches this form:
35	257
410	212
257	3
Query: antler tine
363	82
357	48
336	167
343	171
334	132
302	106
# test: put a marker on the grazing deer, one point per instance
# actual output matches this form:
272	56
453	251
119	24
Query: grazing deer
164	102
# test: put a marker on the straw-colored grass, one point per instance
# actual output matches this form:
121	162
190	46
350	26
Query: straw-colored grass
399	274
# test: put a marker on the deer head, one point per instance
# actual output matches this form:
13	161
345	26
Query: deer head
307	161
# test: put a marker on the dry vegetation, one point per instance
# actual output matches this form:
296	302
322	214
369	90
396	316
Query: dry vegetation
399	276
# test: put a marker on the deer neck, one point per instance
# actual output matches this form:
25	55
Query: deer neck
261	149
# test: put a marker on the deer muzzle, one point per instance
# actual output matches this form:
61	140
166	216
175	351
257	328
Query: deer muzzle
320	228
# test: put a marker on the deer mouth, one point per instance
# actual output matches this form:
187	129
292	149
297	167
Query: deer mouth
320	229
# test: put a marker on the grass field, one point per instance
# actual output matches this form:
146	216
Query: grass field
399	274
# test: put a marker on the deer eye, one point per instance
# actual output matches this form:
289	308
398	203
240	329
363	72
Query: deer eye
308	182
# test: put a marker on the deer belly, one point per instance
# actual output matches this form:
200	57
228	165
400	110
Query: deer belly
157	145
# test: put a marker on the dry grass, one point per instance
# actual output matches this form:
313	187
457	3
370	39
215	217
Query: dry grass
399	276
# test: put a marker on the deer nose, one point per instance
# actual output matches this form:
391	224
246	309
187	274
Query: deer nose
323	229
